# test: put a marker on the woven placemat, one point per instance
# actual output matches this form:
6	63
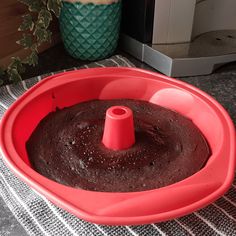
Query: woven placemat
40	217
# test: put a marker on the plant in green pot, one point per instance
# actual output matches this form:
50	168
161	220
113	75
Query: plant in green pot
90	28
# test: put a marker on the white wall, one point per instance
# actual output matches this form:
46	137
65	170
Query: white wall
211	15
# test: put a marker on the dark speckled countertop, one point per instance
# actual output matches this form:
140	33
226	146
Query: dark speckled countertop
221	85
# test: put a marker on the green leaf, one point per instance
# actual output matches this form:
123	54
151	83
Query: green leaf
14	75
44	18
16	64
2	72
27	23
36	5
1	82
33	5
54	6
42	35
34	47
14	69
32	59
49	36
26	41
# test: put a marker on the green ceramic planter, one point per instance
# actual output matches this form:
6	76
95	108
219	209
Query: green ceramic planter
90	31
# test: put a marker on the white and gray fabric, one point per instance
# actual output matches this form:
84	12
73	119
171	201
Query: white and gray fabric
40	217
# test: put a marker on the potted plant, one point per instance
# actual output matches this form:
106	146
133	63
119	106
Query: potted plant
89	30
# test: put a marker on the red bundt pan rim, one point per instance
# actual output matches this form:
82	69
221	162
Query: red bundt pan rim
136	207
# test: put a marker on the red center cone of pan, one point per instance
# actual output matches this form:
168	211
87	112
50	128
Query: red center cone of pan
119	128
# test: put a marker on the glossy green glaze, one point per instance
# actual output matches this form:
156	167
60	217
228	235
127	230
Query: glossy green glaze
90	31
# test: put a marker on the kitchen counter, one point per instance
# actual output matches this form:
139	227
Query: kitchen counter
221	85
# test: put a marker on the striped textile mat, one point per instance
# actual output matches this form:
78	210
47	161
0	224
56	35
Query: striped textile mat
40	217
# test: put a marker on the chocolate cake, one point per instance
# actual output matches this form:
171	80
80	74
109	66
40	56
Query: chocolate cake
66	147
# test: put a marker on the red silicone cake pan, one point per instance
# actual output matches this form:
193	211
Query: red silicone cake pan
67	89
